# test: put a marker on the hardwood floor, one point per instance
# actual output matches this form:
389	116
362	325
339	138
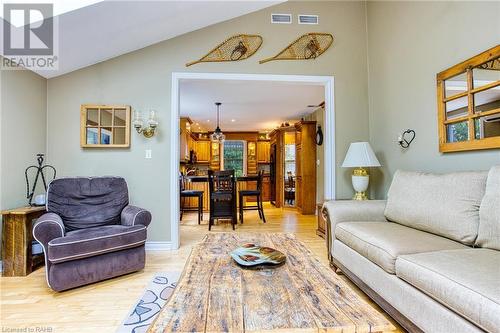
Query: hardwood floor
101	307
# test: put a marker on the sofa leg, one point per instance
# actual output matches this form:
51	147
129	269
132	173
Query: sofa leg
334	267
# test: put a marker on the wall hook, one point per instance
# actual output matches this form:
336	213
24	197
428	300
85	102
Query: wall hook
405	139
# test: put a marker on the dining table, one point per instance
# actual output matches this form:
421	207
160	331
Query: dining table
204	178
239	180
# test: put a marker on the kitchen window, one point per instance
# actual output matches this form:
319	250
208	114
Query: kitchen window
234	156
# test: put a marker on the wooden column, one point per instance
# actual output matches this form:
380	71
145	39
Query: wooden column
306	166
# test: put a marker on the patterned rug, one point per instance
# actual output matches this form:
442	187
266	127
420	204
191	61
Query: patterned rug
146	309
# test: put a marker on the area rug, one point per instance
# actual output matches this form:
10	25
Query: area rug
146	309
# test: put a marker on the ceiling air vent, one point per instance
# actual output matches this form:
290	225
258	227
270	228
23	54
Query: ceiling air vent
281	18
308	19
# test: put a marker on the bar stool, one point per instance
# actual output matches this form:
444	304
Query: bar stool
253	193
190	194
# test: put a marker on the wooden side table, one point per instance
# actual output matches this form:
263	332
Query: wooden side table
321	231
17	235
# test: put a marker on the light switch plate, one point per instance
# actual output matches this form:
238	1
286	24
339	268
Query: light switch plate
148	153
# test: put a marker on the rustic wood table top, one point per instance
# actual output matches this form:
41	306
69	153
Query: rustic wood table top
214	294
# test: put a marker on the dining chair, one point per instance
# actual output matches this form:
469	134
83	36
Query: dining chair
190	194
253	193
222	191
290	190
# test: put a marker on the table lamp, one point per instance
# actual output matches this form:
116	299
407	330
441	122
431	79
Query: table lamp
360	155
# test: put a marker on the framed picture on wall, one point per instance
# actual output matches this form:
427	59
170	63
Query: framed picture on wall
104	126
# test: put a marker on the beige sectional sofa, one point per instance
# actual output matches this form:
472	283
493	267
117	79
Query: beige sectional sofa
429	254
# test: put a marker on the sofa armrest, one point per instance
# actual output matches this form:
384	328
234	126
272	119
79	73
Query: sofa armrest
48	227
132	215
336	212
355	211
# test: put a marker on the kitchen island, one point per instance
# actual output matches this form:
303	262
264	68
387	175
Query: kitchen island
200	183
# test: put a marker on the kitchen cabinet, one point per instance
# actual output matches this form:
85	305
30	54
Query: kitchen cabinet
193	202
251	158
263	151
202	151
185	140
214	156
266	189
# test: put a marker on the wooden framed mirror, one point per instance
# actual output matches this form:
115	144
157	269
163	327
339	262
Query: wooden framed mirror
104	126
469	104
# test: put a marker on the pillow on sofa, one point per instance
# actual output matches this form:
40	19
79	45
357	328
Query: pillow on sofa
443	204
489	212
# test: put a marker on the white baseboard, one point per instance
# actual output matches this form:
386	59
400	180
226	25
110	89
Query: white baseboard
1	266
158	246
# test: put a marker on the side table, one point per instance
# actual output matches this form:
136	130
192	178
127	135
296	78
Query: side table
17	236
321	231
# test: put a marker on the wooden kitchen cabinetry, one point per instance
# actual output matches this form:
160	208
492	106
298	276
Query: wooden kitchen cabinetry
305	164
251	158
266	189
263	151
202	151
185	140
214	156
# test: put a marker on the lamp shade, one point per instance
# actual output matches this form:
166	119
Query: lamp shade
360	154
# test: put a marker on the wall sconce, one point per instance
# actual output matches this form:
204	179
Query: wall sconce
149	131
406	138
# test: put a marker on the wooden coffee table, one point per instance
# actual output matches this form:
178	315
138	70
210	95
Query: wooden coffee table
214	294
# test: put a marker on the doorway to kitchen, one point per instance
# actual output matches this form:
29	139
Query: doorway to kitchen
252	150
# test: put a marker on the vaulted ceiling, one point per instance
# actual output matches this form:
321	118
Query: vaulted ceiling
107	29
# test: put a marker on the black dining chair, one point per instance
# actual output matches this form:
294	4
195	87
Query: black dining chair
253	193
222	189
290	190
190	194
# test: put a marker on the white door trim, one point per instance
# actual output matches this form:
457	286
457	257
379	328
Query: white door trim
329	140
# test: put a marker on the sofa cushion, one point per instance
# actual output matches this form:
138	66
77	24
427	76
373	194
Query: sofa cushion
383	242
446	205
489	212
87	202
466	281
95	241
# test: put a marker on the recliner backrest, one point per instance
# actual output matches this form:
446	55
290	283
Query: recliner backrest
442	204
87	202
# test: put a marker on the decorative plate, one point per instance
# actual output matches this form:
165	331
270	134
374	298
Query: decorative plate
252	255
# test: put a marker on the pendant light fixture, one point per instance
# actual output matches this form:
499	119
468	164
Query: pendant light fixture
217	135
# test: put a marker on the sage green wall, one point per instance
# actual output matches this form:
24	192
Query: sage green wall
23	102
408	44
142	79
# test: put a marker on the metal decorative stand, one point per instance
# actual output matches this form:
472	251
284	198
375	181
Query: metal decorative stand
39	173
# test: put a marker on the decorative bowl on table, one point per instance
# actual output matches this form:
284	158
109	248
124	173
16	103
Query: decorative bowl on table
253	255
